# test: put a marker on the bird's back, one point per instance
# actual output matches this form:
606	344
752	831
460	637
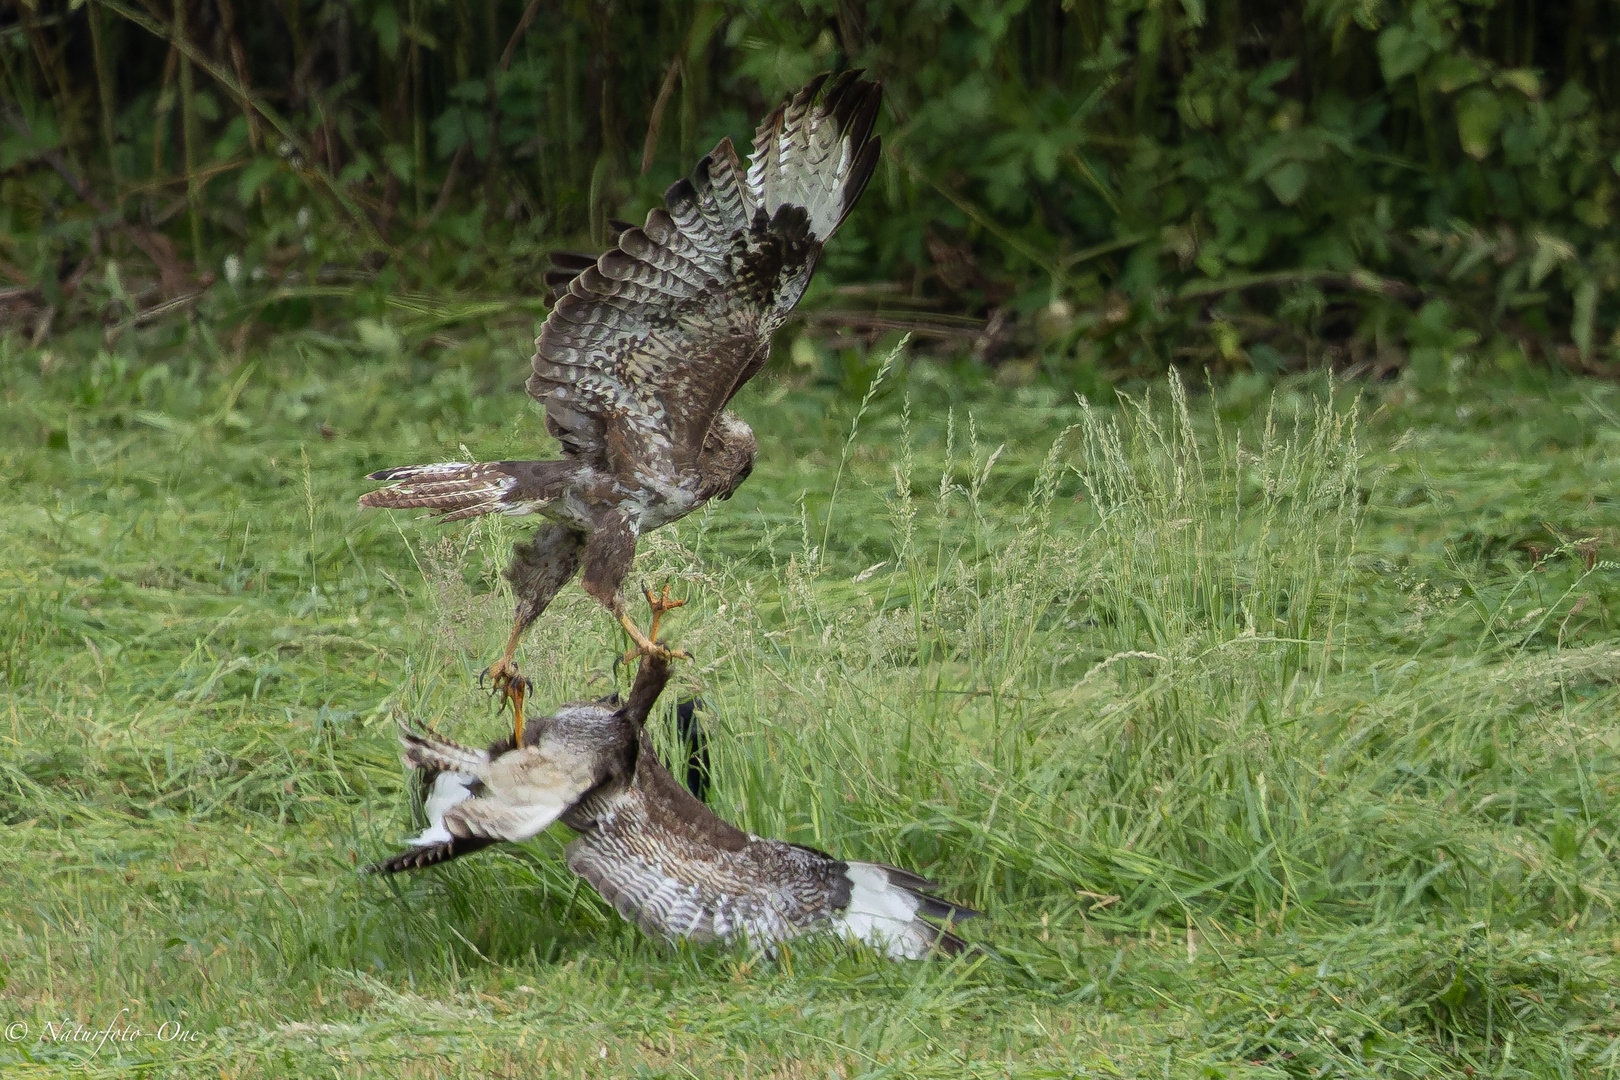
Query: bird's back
670	864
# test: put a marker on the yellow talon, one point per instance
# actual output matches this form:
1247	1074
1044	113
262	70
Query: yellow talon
647	644
513	688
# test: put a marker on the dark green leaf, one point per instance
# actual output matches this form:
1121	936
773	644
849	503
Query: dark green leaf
254	177
1287	182
1479	117
1453	73
1400	53
385	21
1525	80
1273	73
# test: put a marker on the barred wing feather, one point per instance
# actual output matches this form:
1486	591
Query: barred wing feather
649	342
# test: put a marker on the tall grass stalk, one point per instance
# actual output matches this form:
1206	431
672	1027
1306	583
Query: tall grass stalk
105	97
855	427
1139	707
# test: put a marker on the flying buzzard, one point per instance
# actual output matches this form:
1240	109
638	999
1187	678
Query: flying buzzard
651	849
646	346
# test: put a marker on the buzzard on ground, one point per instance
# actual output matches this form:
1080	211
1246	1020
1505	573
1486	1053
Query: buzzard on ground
657	854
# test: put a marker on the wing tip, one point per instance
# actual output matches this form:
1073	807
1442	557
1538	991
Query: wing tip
829	181
947	943
413	859
859	174
861	118
810	90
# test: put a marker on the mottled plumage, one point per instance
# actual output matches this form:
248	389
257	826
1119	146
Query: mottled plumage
652	850
648	343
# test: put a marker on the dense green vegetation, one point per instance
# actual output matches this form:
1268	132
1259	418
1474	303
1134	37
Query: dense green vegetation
1273	732
1119	184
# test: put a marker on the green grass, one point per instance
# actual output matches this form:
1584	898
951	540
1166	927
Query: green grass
1274	733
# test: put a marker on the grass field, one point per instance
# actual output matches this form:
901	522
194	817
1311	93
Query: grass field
1275	734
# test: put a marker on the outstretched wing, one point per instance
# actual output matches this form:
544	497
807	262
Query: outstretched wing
480	797
650	341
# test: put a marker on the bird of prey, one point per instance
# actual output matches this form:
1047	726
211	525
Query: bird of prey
652	850
439	789
647	344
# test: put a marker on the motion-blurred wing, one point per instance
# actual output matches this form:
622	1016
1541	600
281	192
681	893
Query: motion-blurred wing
523	792
474	798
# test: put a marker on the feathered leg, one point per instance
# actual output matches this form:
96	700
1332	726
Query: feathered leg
538	571
457	489
608	555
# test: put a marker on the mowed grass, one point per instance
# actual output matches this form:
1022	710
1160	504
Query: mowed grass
1274	733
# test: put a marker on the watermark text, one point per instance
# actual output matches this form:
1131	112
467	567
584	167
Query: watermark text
92	1039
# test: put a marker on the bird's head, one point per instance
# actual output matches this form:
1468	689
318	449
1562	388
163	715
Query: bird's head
732	445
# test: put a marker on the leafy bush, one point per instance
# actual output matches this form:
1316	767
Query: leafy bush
1128	183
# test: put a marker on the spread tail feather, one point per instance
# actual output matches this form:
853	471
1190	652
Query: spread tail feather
447	790
440	792
887	911
945	941
458	489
